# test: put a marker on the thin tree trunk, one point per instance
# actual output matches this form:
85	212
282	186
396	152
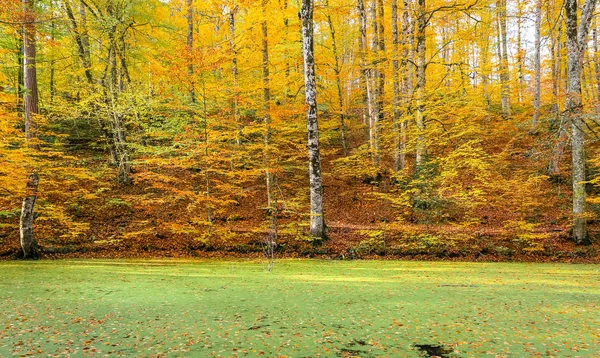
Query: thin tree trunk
81	38
366	75
338	81
190	49
504	71
375	93
538	67
520	55
266	104
421	82
576	44
28	241
398	162
317	221
596	57
52	61
29	72
407	63
234	71
561	142
381	73
555	63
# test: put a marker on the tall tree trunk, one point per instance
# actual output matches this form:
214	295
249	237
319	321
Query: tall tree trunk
28	241
366	70
576	44
538	67
375	93
190	50
421	149
504	71
398	160
29	72
596	59
317	221
338	81
555	62
52	61
520	55
561	141
407	65
234	71
266	104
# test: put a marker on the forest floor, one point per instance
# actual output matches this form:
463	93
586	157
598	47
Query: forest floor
302	308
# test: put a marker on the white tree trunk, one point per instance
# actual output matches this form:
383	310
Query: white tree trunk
503	47
537	65
421	82
28	241
317	222
576	44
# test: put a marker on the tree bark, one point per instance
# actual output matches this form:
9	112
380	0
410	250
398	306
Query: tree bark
368	95
421	82
28	241
375	93
577	35
596	57
317	222
234	71
407	66
504	71
538	67
29	72
398	160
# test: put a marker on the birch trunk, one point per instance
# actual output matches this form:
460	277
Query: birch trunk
576	44
519	50
381	74
408	78
503	47
537	66
317	222
30	95
375	74
362	38
28	241
366	75
421	82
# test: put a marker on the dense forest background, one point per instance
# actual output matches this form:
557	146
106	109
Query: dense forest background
178	128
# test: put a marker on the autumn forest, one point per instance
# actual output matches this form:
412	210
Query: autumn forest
426	129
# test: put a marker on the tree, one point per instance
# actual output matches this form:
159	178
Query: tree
537	66
29	71
28	241
422	23
317	221
503	55
577	35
